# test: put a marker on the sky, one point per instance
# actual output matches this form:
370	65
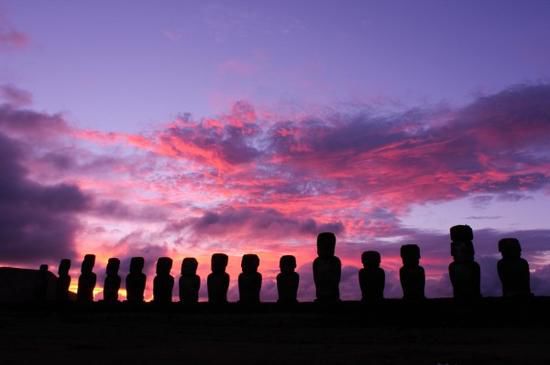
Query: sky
187	128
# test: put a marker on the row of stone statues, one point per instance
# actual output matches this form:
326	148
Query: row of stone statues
464	274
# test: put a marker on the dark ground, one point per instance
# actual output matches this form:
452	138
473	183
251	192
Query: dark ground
436	332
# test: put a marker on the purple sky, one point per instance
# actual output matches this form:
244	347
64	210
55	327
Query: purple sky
142	127
130	64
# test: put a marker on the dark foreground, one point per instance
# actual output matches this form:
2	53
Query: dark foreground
436	332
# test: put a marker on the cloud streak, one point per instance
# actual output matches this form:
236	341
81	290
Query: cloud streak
15	96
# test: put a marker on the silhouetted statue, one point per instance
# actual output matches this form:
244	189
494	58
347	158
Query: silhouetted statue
462	248
112	281
63	281
135	281
250	280
41	290
218	280
288	280
411	275
372	278
513	270
190	282
87	280
163	284
327	269
464	272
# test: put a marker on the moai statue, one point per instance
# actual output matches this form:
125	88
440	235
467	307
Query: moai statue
513	270
190	282
87	280
135	281
163	284
218	280
411	275
287	280
327	269
464	272
41	290
63	281
112	281
372	278
250	280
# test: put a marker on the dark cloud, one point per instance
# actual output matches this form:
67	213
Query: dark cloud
15	96
481	201
337	136
30	124
228	140
37	222
513	197
257	222
483	217
114	209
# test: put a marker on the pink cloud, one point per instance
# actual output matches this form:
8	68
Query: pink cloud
11	38
247	182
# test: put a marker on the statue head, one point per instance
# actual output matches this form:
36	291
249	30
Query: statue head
113	264
219	262
461	233
88	263
287	264
509	248
164	265
189	266
64	267
250	263
326	244
136	265
370	259
410	254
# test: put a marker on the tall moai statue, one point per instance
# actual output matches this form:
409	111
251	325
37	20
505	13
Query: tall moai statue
464	272
63	281
250	280
112	281
327	269
372	277
135	281
86	280
190	282
218	279
411	274
513	270
163	284
287	280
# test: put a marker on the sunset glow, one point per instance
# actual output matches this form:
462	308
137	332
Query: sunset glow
240	141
